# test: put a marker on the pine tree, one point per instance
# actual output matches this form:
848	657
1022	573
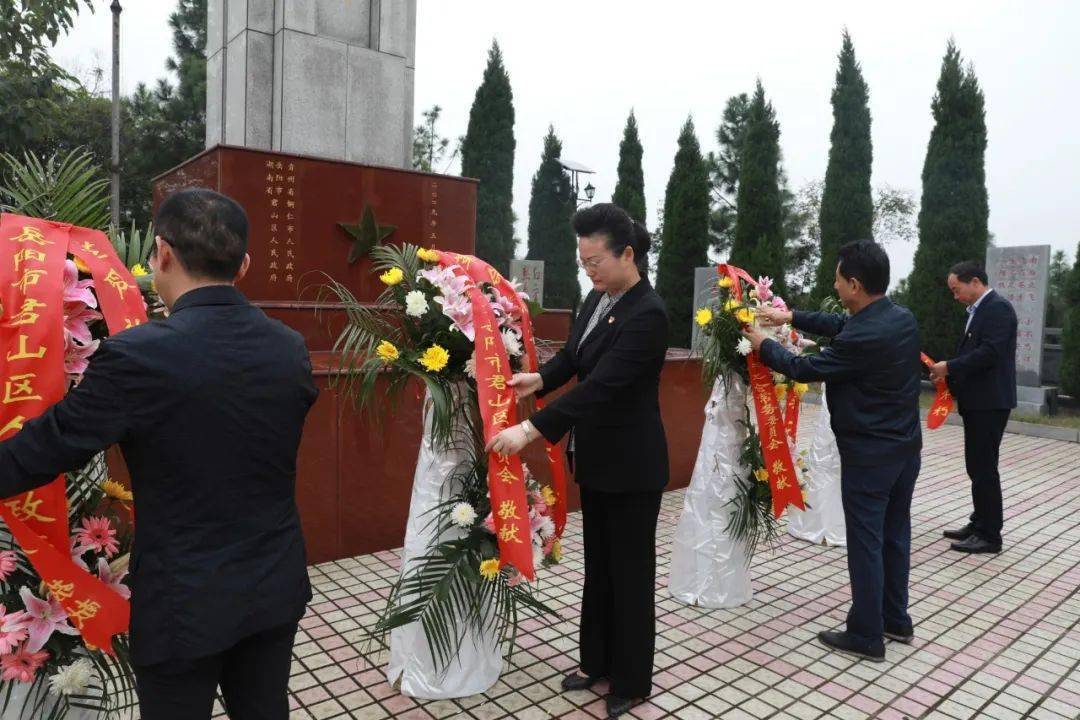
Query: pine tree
630	189
724	169
487	154
847	207
551	239
759	245
954	213
1070	338
685	241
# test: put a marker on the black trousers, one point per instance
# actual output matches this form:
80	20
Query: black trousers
983	430
618	603
877	515
253	675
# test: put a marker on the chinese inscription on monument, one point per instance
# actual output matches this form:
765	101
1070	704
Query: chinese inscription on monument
1020	275
282	190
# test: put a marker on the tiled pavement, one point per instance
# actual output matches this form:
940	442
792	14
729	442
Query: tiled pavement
996	636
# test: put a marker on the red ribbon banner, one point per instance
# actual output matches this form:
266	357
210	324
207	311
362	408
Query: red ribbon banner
943	400
771	425
479	271
32	255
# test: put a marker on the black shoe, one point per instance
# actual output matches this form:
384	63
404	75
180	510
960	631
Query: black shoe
575	681
903	635
842	642
962	534
617	706
976	546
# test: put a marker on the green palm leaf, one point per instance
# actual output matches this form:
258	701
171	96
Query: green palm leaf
67	188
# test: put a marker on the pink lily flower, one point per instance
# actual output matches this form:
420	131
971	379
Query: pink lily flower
77	318
113	580
77	357
41	619
76	290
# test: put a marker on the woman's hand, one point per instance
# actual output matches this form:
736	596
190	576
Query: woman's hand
513	439
526	384
773	317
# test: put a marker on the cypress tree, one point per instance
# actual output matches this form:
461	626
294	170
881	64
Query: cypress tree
1070	338
954	212
847	207
487	154
685	239
551	238
630	189
759	231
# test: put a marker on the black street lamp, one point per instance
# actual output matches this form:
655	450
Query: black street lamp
576	169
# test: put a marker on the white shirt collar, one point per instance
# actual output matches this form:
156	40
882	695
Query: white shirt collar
975	305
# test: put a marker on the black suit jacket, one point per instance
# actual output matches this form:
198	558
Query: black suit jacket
207	407
872	375
982	376
619	442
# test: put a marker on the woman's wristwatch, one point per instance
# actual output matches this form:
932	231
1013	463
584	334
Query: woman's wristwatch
531	433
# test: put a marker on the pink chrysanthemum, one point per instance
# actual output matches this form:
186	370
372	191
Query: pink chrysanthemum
12	630
97	533
7	564
22	666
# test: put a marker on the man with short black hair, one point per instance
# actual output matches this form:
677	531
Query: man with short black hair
871	370
982	378
208	408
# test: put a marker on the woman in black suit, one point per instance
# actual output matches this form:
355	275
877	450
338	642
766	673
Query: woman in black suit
616	350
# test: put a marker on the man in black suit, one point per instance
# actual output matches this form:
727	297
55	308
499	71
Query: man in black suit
871	370
616	351
208	408
982	378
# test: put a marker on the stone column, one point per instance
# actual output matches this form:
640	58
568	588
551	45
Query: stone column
332	78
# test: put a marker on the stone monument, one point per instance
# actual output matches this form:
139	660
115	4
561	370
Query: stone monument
328	78
530	273
1021	275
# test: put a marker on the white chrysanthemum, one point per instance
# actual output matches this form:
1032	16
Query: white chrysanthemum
415	304
546	527
470	366
743	347
463	515
538	555
72	679
512	343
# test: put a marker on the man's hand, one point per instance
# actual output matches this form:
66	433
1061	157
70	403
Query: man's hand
526	384
773	317
513	439
939	370
756	337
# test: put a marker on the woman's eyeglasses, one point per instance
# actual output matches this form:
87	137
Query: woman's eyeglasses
592	263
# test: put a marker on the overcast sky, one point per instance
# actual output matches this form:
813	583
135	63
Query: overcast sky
583	65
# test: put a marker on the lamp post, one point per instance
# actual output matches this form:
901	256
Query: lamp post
575	170
114	169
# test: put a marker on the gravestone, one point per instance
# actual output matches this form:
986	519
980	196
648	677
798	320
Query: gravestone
329	78
1021	275
530	273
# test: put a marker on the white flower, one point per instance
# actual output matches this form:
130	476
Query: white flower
415	304
743	347
470	366
785	330
511	342
538	555
71	679
546	527
463	514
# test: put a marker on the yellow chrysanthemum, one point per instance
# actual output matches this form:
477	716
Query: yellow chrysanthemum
725	282
801	388
548	494
387	352
745	316
116	491
489	569
703	317
762	475
435	358
139	270
393	276
83	267
731	305
556	550
428	255
781	391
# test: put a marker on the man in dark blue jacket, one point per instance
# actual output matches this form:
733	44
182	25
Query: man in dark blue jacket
871	371
208	408
982	378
